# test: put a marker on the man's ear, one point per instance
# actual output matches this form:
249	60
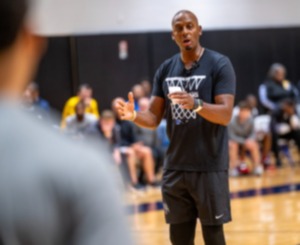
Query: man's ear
200	30
36	46
172	36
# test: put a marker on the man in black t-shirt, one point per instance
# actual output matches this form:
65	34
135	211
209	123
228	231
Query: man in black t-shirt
195	89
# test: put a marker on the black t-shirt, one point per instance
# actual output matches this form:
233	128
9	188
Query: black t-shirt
195	143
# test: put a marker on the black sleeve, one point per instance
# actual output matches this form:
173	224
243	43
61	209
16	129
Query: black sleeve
225	80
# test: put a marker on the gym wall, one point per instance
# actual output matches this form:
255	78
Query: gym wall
94	59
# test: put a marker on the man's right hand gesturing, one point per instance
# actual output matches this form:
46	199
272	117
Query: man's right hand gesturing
126	109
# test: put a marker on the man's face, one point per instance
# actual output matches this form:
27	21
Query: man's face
138	91
244	114
144	104
288	109
186	31
85	94
279	74
252	101
80	111
107	124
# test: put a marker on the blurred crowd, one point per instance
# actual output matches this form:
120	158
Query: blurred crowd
261	135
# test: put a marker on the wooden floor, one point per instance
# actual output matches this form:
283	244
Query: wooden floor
262	218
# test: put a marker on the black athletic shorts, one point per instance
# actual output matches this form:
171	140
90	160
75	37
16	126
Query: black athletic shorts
191	195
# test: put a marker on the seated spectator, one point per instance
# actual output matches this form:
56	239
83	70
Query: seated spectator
252	102
285	125
149	137
81	124
111	132
277	88
242	136
34	103
135	151
261	128
138	93
32	97
147	88
84	94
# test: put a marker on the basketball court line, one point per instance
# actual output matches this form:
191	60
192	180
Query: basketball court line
278	189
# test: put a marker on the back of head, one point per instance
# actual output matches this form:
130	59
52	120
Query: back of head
107	114
12	17
244	105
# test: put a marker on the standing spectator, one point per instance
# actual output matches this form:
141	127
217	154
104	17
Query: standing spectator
80	124
242	135
51	191
85	94
276	88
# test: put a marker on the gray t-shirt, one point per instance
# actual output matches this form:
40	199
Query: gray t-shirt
241	131
53	192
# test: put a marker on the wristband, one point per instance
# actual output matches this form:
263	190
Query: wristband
133	116
198	104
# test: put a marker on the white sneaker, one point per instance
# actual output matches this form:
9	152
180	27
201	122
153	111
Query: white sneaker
259	170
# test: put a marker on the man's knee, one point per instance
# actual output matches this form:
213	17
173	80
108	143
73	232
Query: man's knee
183	233
213	235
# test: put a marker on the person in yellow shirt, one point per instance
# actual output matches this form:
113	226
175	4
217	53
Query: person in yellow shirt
85	94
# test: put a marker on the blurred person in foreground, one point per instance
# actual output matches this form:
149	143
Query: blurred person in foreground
85	94
242	137
195	89
62	194
81	124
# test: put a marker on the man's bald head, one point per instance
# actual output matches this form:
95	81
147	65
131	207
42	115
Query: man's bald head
183	12
12	18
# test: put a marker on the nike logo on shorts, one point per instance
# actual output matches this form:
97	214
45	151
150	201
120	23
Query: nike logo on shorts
219	216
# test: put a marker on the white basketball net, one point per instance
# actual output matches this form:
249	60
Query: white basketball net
182	114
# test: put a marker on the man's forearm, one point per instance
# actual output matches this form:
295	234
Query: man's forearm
146	119
219	114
